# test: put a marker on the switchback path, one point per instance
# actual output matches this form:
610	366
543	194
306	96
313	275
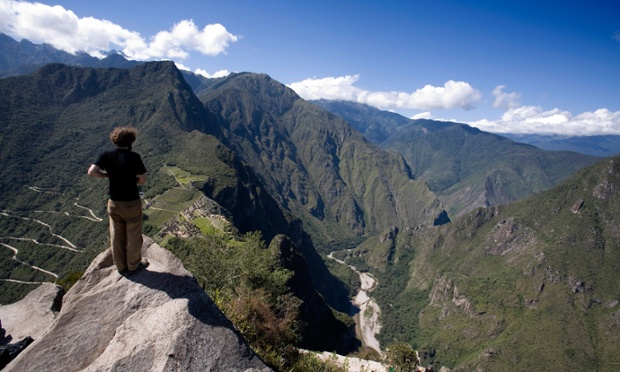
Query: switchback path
21	281
49	227
43	244
93	218
65	244
16	251
44	190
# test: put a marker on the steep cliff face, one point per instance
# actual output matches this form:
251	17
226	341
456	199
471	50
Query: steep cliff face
254	209
323	331
467	168
315	164
156	320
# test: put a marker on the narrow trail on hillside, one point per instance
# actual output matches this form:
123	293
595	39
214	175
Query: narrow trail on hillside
21	281
16	251
49	227
44	190
94	216
26	216
175	177
43	244
163	209
367	320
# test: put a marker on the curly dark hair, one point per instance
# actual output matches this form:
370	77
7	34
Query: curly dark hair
123	136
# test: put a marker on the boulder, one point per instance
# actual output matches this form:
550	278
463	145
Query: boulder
159	319
33	315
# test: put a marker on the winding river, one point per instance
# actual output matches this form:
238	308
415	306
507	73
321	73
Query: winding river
367	319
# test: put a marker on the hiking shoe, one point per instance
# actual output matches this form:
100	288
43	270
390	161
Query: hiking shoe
142	265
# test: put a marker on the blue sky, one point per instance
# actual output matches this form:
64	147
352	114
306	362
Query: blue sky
544	66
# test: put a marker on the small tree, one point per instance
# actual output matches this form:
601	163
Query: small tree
401	357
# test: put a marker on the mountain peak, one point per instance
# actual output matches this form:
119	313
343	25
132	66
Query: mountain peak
157	319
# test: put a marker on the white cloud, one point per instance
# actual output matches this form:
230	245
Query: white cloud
454	94
199	71
184	36
422	115
64	30
181	66
505	100
534	119
616	36
333	88
216	74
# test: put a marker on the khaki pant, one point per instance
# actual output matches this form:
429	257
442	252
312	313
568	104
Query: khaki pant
126	233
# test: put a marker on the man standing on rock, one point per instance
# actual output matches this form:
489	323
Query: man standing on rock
125	171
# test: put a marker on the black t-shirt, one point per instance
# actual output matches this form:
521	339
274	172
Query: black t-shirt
122	166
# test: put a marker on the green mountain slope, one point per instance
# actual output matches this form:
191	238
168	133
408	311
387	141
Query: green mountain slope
466	167
52	215
532	285
54	124
315	164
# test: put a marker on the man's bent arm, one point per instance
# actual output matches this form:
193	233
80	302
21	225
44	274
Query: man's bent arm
141	179
96	172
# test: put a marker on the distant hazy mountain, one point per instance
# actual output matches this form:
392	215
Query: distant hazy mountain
468	168
24	57
603	145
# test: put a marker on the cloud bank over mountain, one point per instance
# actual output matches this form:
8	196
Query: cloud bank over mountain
459	94
64	30
535	119
450	89
453	94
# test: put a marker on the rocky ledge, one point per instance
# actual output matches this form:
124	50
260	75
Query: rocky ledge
159	319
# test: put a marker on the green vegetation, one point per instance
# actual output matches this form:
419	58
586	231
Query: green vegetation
314	164
49	200
69	280
302	362
47	197
168	205
535	282
466	167
38	235
532	284
247	282
346	275
402	357
185	178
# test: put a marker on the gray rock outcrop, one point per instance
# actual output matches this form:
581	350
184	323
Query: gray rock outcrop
33	315
156	320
